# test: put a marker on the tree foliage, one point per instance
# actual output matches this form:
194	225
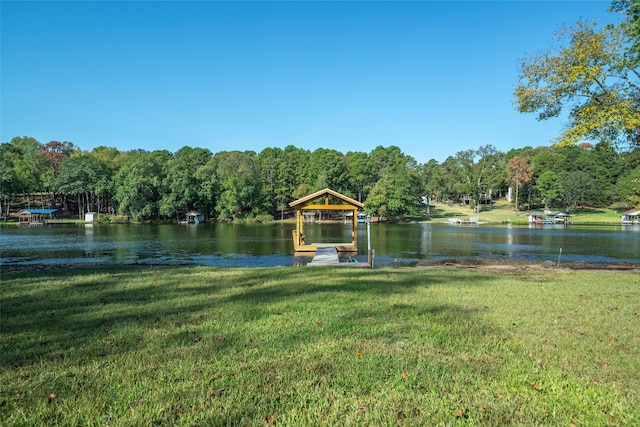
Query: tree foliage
519	172
591	73
240	186
630	27
549	188
139	183
233	185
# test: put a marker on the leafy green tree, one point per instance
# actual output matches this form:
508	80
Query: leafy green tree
629	187
630	27
447	181
139	183
388	159
591	73
292	173
55	153
29	167
398	190
326	169
480	172
547	159
208	190
578	188
112	159
10	184
269	161
395	194
360	174
428	174
180	184
301	191
80	176
607	167
240	186
376	203
549	188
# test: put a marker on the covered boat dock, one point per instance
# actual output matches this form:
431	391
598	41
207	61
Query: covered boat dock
35	216
325	200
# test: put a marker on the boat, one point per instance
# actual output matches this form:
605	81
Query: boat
472	220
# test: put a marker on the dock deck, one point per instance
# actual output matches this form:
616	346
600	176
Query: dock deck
327	255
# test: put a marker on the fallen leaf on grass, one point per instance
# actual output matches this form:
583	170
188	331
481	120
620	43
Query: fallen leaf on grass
404	375
358	355
51	397
534	386
270	418
215	392
459	413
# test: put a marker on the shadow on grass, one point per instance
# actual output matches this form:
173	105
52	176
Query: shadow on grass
105	312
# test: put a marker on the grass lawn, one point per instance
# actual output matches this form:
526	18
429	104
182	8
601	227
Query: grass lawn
503	212
201	346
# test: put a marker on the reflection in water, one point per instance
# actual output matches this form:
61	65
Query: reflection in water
220	244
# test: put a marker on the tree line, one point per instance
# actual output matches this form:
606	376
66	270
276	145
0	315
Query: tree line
244	185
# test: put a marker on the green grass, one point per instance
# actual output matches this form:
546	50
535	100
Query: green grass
301	346
503	212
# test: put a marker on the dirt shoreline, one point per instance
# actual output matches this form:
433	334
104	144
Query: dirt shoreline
450	263
489	263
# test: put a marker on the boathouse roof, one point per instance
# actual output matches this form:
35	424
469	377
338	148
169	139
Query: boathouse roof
323	193
38	211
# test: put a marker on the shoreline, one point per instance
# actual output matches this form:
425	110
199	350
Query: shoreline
449	263
500	264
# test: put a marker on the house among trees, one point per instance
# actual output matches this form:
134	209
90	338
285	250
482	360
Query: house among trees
631	217
484	199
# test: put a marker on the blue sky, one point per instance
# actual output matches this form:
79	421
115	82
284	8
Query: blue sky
432	78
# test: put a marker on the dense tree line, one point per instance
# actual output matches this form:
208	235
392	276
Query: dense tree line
234	185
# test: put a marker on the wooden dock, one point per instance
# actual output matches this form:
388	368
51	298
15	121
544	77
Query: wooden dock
327	255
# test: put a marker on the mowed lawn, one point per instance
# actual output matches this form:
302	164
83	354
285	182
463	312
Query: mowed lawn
204	346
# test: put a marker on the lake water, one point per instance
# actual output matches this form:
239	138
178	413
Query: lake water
220	244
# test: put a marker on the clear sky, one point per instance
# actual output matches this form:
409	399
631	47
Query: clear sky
433	78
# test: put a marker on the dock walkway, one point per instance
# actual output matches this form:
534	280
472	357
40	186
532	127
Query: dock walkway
327	255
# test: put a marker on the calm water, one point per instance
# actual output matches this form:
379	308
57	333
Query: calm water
267	245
